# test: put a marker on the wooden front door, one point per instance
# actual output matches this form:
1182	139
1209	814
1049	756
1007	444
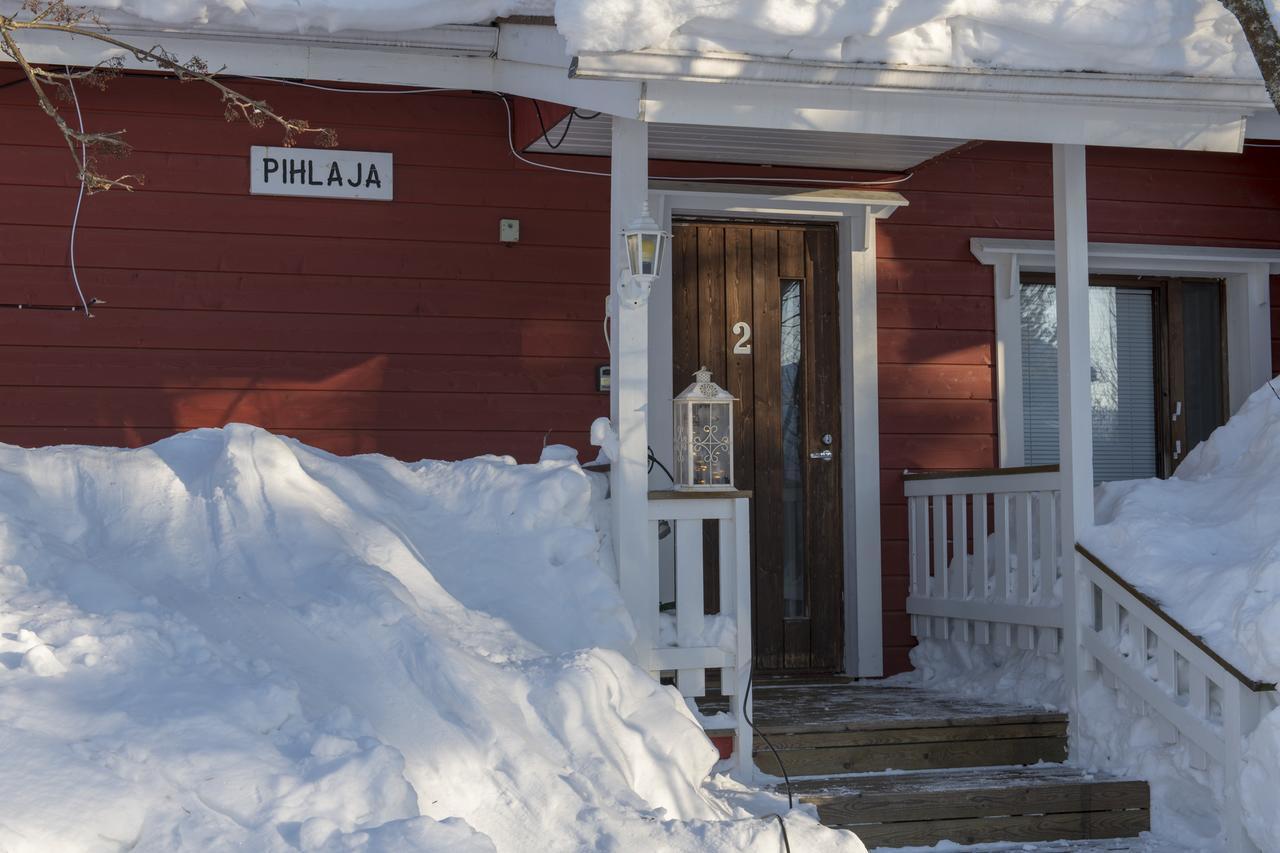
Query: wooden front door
756	304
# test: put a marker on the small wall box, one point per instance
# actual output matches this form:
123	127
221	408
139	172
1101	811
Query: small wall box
603	378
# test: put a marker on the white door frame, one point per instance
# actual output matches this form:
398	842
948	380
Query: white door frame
854	213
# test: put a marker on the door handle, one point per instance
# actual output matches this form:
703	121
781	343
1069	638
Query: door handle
824	455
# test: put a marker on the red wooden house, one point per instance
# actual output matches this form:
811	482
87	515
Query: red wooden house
868	265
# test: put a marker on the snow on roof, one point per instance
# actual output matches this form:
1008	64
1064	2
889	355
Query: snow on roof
1196	37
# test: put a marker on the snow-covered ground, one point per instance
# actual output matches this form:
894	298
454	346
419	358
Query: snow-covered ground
229	640
1150	36
1205	544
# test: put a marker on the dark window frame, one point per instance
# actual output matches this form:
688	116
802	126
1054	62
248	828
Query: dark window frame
1168	356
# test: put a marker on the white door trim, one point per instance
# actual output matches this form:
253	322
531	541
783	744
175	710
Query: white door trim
1247	273
854	213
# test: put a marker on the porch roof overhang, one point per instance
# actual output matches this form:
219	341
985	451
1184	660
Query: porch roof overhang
730	90
735	199
759	146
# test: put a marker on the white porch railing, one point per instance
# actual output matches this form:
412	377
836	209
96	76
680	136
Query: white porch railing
692	655
985	557
1159	667
986	566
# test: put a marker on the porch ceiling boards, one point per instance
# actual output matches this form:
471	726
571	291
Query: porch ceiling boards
757	146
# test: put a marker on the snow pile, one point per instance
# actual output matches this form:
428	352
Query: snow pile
229	640
1153	36
1206	545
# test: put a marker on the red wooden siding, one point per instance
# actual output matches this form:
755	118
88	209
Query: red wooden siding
407	328
936	310
401	327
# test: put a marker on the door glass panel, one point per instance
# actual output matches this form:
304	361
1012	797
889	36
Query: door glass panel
1202	359
792	347
1122	380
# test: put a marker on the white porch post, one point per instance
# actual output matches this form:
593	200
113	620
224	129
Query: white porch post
629	395
1075	408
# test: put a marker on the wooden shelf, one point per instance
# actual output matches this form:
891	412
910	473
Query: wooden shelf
671	494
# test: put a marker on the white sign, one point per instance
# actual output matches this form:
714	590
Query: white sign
320	173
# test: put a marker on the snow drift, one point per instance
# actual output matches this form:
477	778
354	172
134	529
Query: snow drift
231	640
1154	36
1206	544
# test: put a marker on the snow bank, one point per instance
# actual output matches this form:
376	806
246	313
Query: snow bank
1154	36
229	640
1206	545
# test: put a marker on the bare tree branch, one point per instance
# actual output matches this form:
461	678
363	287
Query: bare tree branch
1264	41
59	17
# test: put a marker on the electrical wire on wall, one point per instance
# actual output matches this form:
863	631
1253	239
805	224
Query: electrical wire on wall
75	218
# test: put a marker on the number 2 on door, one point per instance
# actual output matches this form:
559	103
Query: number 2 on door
743	345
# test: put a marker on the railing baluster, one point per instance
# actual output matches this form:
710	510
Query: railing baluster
1023	528
1167	674
1199	704
920	579
958	570
939	588
728	594
690	620
980	570
1004	544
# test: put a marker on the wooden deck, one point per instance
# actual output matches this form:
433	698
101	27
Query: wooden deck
903	766
801	707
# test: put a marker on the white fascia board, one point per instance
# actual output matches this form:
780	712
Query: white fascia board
1003	117
1135	258
747	69
457	57
720	198
1069	107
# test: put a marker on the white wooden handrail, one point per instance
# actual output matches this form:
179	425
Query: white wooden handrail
684	515
985	556
986	565
1199	699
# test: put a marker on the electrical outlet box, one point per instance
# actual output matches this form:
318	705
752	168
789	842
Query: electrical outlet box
509	231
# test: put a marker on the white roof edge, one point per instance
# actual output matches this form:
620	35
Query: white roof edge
881	204
989	250
680	66
455	39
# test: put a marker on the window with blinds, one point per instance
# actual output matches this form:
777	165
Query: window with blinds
1122	347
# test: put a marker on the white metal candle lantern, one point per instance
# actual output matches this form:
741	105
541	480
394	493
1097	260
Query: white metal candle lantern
704	436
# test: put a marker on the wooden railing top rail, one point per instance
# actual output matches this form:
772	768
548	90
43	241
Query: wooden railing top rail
911	476
1194	639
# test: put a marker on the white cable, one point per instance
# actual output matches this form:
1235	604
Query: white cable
608	309
75	219
347	91
511	144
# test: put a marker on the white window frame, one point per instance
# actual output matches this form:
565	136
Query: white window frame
1247	273
855	213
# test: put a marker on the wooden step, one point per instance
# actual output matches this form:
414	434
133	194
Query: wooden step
819	731
1014	804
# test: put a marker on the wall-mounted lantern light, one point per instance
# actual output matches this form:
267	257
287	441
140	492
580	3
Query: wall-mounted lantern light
704	436
646	244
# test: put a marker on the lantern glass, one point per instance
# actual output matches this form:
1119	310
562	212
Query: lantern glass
646	244
704	436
